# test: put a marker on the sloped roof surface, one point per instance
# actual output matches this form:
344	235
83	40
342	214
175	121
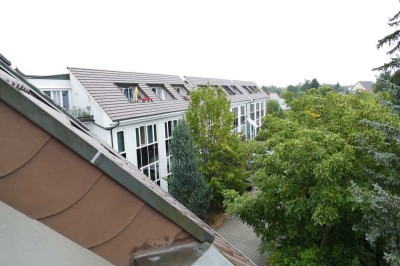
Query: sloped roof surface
101	85
198	81
367	85
254	96
56	172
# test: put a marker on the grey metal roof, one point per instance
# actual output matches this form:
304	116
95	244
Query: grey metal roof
102	86
199	81
254	96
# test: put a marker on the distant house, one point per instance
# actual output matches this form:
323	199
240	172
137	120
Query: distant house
366	86
55	172
135	113
281	101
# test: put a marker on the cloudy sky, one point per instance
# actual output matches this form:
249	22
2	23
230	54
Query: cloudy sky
271	42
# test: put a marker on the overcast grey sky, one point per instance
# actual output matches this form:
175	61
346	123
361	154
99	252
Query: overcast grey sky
270	42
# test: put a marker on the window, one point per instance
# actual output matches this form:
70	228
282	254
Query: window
242	119
60	97
236	90
235	110
181	90
252	112
121	143
169	128
228	90
147	152
128	93
162	93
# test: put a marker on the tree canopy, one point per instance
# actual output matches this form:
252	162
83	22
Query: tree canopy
306	165
186	183
221	157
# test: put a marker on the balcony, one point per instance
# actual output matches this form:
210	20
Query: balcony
82	114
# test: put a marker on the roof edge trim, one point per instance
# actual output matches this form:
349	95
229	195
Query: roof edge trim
18	101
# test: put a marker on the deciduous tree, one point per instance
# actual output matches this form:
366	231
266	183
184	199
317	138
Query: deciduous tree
221	157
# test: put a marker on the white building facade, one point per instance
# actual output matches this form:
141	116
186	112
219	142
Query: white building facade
135	113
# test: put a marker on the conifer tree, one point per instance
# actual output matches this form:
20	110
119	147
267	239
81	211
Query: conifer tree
186	183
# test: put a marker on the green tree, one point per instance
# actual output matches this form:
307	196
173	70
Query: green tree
305	166
273	107
391	40
220	154
186	183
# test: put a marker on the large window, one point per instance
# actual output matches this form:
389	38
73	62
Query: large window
147	152
240	119
60	97
121	143
169	128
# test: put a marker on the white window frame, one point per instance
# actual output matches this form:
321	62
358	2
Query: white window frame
58	99
122	152
155	165
168	137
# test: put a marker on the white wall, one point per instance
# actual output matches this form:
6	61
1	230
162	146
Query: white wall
82	99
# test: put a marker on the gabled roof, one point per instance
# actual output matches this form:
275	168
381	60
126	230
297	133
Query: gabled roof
199	81
102	86
367	84
55	171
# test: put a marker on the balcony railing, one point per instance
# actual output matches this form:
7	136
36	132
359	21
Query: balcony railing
80	113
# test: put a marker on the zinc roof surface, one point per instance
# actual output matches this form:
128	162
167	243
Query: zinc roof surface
102	86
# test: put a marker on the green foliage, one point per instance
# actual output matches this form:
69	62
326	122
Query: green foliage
186	183
391	40
273	107
304	209
221	157
275	89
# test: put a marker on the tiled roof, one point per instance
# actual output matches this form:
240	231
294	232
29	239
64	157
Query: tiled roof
198	81
86	183
101	85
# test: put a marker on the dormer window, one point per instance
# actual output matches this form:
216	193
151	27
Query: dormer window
236	90
249	91
162	93
129	91
228	90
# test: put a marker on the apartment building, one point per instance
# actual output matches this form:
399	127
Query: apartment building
135	113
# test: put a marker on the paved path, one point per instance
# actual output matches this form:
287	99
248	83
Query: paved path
243	238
